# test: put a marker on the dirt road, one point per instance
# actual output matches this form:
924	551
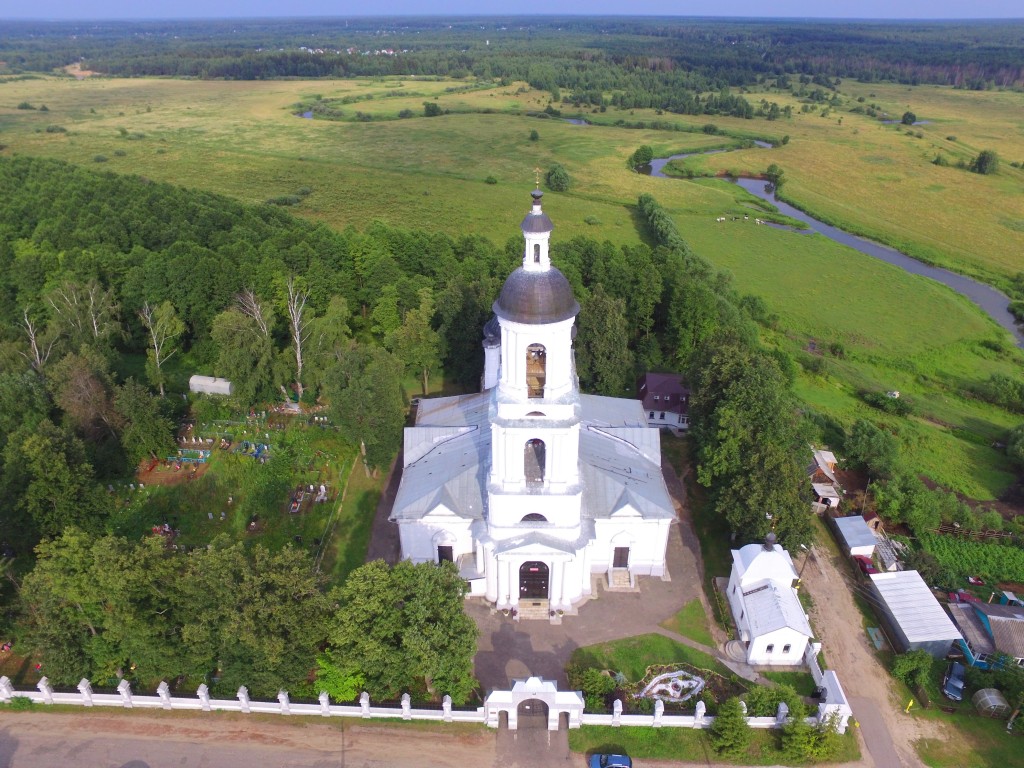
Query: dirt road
888	735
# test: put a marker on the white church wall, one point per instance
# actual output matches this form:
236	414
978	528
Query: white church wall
758	653
420	540
647	541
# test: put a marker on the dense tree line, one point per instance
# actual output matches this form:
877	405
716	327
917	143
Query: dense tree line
662	59
106	608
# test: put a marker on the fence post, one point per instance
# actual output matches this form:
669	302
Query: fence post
617	713
164	692
6	689
659	712
783	714
406	706
282	696
325	704
698	714
243	699
203	692
85	688
446	708
125	689
46	689
364	704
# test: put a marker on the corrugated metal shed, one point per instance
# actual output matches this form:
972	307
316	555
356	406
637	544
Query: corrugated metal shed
857	537
916	617
210	385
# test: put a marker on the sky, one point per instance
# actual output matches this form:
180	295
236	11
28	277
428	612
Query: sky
167	9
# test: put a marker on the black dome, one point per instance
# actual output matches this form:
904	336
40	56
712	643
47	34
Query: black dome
535	298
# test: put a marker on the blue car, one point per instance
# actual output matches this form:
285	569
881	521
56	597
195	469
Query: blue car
953	682
610	761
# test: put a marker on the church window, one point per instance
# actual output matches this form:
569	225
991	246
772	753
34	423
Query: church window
445	554
536	253
657	397
536	370
786	648
534	457
533	517
651	416
662	414
770	648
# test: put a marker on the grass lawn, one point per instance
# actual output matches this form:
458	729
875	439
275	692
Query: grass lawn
975	742
691	622
687	744
801	682
632	656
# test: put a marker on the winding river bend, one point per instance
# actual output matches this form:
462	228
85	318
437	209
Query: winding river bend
992	302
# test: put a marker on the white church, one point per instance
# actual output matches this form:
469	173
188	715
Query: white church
533	489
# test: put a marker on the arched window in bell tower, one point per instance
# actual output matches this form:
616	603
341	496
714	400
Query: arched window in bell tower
536	370
536	253
534	456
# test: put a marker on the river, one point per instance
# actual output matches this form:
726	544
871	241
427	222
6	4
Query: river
992	302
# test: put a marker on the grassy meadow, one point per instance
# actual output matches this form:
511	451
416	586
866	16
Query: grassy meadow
895	331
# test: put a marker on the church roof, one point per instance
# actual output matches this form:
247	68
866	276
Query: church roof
536	298
770	606
447	457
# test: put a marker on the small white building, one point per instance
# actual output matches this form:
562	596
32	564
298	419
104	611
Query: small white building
210	385
855	535
766	608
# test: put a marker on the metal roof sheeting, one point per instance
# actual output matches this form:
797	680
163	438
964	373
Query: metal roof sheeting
913	607
855	532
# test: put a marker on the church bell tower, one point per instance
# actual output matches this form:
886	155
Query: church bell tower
534	474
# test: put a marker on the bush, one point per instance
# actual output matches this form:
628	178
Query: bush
25	105
56	129
711	129
100	159
430	109
909	118
730	732
643	155
285	200
490	180
119	153
912	668
405	113
763	701
592	221
1002	390
897	406
941	161
557	178
987	162
20	703
534	136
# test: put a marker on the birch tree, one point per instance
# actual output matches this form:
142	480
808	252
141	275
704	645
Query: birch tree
298	325
87	313
40	343
164	326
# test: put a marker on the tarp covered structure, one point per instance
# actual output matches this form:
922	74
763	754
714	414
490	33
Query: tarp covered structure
210	385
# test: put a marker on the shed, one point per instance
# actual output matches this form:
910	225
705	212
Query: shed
210	385
855	536
912	616
990	703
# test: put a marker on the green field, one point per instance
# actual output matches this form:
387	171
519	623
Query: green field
896	331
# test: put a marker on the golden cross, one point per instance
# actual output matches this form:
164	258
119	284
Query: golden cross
536	172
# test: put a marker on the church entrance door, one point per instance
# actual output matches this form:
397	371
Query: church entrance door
533	581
